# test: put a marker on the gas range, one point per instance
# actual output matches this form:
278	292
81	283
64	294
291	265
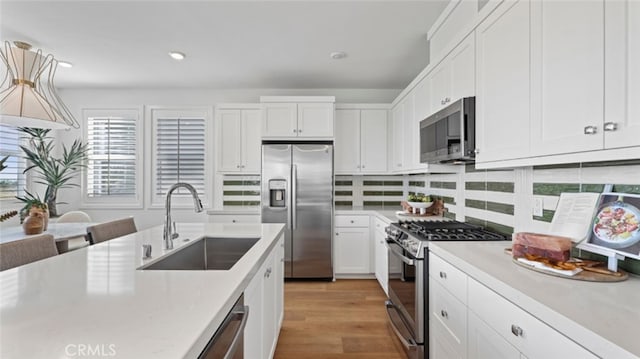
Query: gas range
414	236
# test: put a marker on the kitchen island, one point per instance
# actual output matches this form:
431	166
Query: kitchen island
600	317
97	297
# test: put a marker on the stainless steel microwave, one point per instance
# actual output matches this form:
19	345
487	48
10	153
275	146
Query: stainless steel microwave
449	135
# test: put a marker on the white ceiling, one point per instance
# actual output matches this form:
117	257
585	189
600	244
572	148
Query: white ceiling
229	44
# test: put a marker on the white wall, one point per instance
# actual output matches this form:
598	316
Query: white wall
77	99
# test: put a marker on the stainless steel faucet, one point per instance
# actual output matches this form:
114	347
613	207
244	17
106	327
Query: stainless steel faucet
170	227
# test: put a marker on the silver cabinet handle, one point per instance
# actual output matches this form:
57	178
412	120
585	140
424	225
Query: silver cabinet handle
362	166
237	166
447	100
295	131
233	221
516	330
444	314
337	233
352	221
299	130
294	196
590	130
610	126
358	166
443	275
476	151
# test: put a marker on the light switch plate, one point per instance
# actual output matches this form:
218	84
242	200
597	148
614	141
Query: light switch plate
538	206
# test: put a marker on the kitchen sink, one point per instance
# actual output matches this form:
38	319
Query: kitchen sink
207	253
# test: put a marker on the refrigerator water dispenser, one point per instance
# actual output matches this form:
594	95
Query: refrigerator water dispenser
277	193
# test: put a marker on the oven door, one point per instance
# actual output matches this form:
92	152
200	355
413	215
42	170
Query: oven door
405	306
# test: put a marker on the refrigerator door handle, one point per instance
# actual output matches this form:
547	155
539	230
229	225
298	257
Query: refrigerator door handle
294	195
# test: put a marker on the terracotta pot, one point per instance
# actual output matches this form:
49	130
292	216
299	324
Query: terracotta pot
34	223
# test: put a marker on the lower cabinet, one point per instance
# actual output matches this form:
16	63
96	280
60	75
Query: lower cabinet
352	249
488	326
264	296
381	255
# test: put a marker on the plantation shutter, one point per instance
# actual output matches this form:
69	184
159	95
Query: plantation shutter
12	180
180	154
111	167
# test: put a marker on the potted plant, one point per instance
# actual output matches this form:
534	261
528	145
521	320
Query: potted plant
53	172
34	204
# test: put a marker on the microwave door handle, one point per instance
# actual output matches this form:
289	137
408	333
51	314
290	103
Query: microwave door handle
402	257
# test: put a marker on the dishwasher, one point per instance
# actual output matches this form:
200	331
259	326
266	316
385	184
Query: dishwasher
227	342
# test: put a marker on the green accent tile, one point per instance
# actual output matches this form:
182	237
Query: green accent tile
251	183
344	203
251	203
392	193
471	167
629	264
435	184
476	221
626	188
448	185
372	183
592	187
391	203
547	216
251	193
411	192
416	183
475	186
500	187
232	193
392	183
372	203
551	167
499	227
344	193
232	183
232	203
448	200
372	193
344	183
612	163
503	208
450	215
554	189
473	203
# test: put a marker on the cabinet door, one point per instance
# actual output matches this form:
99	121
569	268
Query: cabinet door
381	269
411	152
397	152
503	85
347	142
279	120
269	315
253	332
315	120
485	343
251	140
462	63
441	86
567	76
373	141
422	104
352	249
279	279
622	70
230	157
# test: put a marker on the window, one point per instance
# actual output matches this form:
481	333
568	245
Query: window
114	169
12	180
179	153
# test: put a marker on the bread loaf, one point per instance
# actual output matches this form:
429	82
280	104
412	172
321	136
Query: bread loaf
552	247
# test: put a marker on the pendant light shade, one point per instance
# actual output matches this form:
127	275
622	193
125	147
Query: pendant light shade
28	97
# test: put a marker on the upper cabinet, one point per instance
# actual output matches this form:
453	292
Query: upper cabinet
454	77
397	133
503	82
361	141
238	139
622	68
295	116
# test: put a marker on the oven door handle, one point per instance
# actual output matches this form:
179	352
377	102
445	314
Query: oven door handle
405	259
409	343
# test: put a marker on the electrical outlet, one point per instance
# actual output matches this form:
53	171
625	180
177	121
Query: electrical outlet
538	206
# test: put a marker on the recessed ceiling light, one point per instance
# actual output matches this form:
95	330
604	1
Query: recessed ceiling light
65	64
176	55
338	55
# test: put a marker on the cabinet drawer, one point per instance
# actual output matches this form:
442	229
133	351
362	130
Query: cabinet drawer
234	218
379	225
450	314
525	332
352	221
450	277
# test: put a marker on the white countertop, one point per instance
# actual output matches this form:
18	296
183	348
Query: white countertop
96	296
60	231
385	215
602	317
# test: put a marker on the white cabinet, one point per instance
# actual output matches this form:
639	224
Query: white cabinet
422	98
503	83
231	217
300	120
486	343
622	69
567	76
264	296
352	245
454	77
239	140
397	129
381	254
361	141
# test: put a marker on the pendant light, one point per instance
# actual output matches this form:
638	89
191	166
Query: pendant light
28	97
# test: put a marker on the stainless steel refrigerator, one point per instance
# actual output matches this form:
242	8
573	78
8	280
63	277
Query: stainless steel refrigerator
297	189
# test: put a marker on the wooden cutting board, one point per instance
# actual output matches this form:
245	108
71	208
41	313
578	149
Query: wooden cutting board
585	275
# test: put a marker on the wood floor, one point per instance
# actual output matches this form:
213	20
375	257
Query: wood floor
345	319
